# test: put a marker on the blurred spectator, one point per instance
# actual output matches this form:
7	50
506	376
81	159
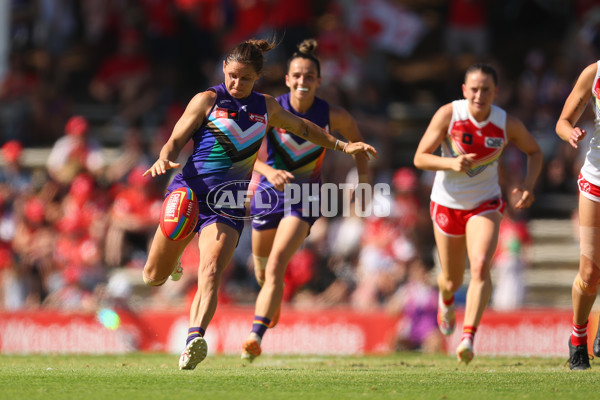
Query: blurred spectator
33	244
379	272
510	260
410	212
124	79
132	220
467	28
415	302
55	25
13	175
588	35
17	89
13	282
8	220
78	249
75	152
71	294
299	272
164	130
132	153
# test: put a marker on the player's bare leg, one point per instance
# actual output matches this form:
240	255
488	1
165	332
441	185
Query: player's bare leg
586	283
217	244
262	243
452	253
482	238
291	232
163	258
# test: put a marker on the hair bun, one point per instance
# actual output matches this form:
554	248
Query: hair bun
308	46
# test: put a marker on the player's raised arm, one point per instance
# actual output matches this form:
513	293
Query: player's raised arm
307	130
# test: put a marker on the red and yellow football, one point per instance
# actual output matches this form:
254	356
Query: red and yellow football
179	214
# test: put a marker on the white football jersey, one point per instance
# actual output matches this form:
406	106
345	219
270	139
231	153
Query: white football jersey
487	139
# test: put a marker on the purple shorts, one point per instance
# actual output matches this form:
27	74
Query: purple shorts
232	217
267	210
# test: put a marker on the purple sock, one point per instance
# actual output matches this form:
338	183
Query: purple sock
260	325
194	333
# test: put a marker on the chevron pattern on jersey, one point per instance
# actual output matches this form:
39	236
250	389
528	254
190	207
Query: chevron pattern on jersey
456	151
237	143
293	154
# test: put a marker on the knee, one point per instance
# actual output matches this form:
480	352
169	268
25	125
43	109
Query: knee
274	281
480	269
449	284
588	269
587	285
210	270
260	265
275	272
150	281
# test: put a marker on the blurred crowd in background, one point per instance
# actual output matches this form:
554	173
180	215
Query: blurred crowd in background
96	86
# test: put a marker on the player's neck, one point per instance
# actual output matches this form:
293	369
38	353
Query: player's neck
301	106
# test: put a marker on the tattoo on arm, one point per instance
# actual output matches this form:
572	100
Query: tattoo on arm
579	105
305	133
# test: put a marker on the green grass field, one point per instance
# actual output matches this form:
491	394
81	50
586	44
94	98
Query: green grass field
397	376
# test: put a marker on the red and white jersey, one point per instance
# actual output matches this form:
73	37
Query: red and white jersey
591	167
466	190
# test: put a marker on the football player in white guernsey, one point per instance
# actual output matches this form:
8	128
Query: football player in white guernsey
466	199
587	281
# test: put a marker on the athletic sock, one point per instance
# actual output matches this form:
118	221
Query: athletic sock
468	333
579	334
447	302
260	325
193	333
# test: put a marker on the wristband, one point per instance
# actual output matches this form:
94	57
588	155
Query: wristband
336	144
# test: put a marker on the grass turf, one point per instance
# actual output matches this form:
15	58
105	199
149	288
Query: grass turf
403	375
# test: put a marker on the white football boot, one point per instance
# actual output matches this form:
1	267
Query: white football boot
194	354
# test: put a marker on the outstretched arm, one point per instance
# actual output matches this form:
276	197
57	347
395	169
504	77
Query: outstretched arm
281	118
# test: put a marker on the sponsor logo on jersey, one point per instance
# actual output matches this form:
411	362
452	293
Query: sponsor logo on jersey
226	113
256	118
494	143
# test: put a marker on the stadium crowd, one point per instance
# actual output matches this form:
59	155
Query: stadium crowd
101	84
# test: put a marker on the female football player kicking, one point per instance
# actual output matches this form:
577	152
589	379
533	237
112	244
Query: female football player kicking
227	124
